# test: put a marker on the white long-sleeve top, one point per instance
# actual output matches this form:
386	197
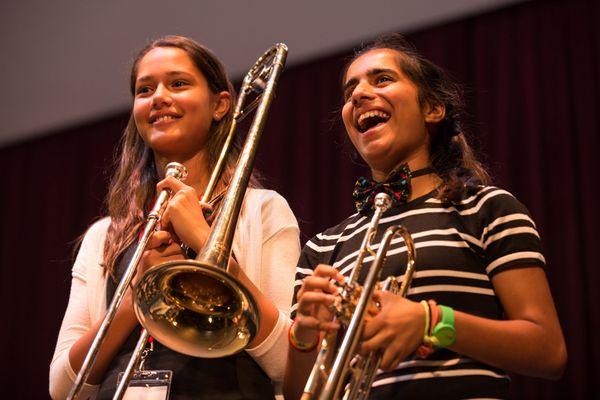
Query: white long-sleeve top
266	246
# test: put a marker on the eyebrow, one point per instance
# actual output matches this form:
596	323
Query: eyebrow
370	73
170	73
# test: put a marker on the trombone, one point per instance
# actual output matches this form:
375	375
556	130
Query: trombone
196	307
340	363
178	171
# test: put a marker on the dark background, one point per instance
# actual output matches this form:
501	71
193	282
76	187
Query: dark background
532	76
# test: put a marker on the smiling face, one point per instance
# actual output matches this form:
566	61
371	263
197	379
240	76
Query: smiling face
382	113
173	106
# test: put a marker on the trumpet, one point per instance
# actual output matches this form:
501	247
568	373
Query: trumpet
338	366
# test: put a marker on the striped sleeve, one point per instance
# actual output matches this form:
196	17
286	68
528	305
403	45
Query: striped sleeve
508	235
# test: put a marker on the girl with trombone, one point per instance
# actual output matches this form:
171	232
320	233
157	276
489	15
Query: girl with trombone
479	303
182	110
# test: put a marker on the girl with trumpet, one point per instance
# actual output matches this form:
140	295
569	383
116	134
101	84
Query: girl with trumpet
480	303
182	110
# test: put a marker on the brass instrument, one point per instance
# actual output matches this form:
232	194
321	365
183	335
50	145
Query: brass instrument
196	307
179	172
338	366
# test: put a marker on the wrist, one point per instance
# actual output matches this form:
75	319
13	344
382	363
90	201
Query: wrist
425	348
199	240
443	333
303	340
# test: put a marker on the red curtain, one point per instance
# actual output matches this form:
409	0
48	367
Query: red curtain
532	77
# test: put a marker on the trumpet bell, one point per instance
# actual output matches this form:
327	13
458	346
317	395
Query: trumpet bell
196	309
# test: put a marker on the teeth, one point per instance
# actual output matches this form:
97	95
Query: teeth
163	118
375	113
370	114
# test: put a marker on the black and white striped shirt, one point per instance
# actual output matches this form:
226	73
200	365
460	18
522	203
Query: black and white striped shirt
459	248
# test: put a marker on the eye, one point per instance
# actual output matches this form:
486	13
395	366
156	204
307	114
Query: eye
180	83
383	79
142	90
348	93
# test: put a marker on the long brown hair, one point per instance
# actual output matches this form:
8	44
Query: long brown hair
133	185
451	155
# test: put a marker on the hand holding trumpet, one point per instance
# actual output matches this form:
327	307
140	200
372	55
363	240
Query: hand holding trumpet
316	298
394	325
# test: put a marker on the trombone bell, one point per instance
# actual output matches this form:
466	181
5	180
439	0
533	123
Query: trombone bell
196	309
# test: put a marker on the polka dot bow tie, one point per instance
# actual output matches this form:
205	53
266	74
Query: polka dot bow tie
397	185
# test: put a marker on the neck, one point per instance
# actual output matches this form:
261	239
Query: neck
420	185
197	167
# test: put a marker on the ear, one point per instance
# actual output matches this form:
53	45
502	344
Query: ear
222	104
434	113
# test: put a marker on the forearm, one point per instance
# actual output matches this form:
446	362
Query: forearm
267	309
122	326
297	370
520	346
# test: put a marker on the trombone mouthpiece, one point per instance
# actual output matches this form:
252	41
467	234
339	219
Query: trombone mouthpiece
383	201
176	170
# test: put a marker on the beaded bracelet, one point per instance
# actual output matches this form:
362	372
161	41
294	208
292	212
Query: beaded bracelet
298	345
425	349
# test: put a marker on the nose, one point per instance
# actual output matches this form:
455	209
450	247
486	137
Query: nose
161	97
362	91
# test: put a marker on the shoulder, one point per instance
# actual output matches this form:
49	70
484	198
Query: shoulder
96	233
99	228
272	206
264	214
265	197
90	254
485	200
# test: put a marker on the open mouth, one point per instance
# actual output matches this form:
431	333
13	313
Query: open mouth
371	119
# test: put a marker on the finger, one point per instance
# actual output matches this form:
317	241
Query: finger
401	353
382	297
157	256
310	322
314	283
172	249
309	299
372	327
206	207
372	310
325	270
389	359
164	221
159	238
374	343
170	183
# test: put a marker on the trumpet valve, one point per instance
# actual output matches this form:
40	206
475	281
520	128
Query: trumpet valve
347	301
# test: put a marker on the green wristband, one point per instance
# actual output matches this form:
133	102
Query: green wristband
444	333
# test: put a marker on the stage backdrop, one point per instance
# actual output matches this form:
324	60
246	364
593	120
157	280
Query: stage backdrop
533	81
